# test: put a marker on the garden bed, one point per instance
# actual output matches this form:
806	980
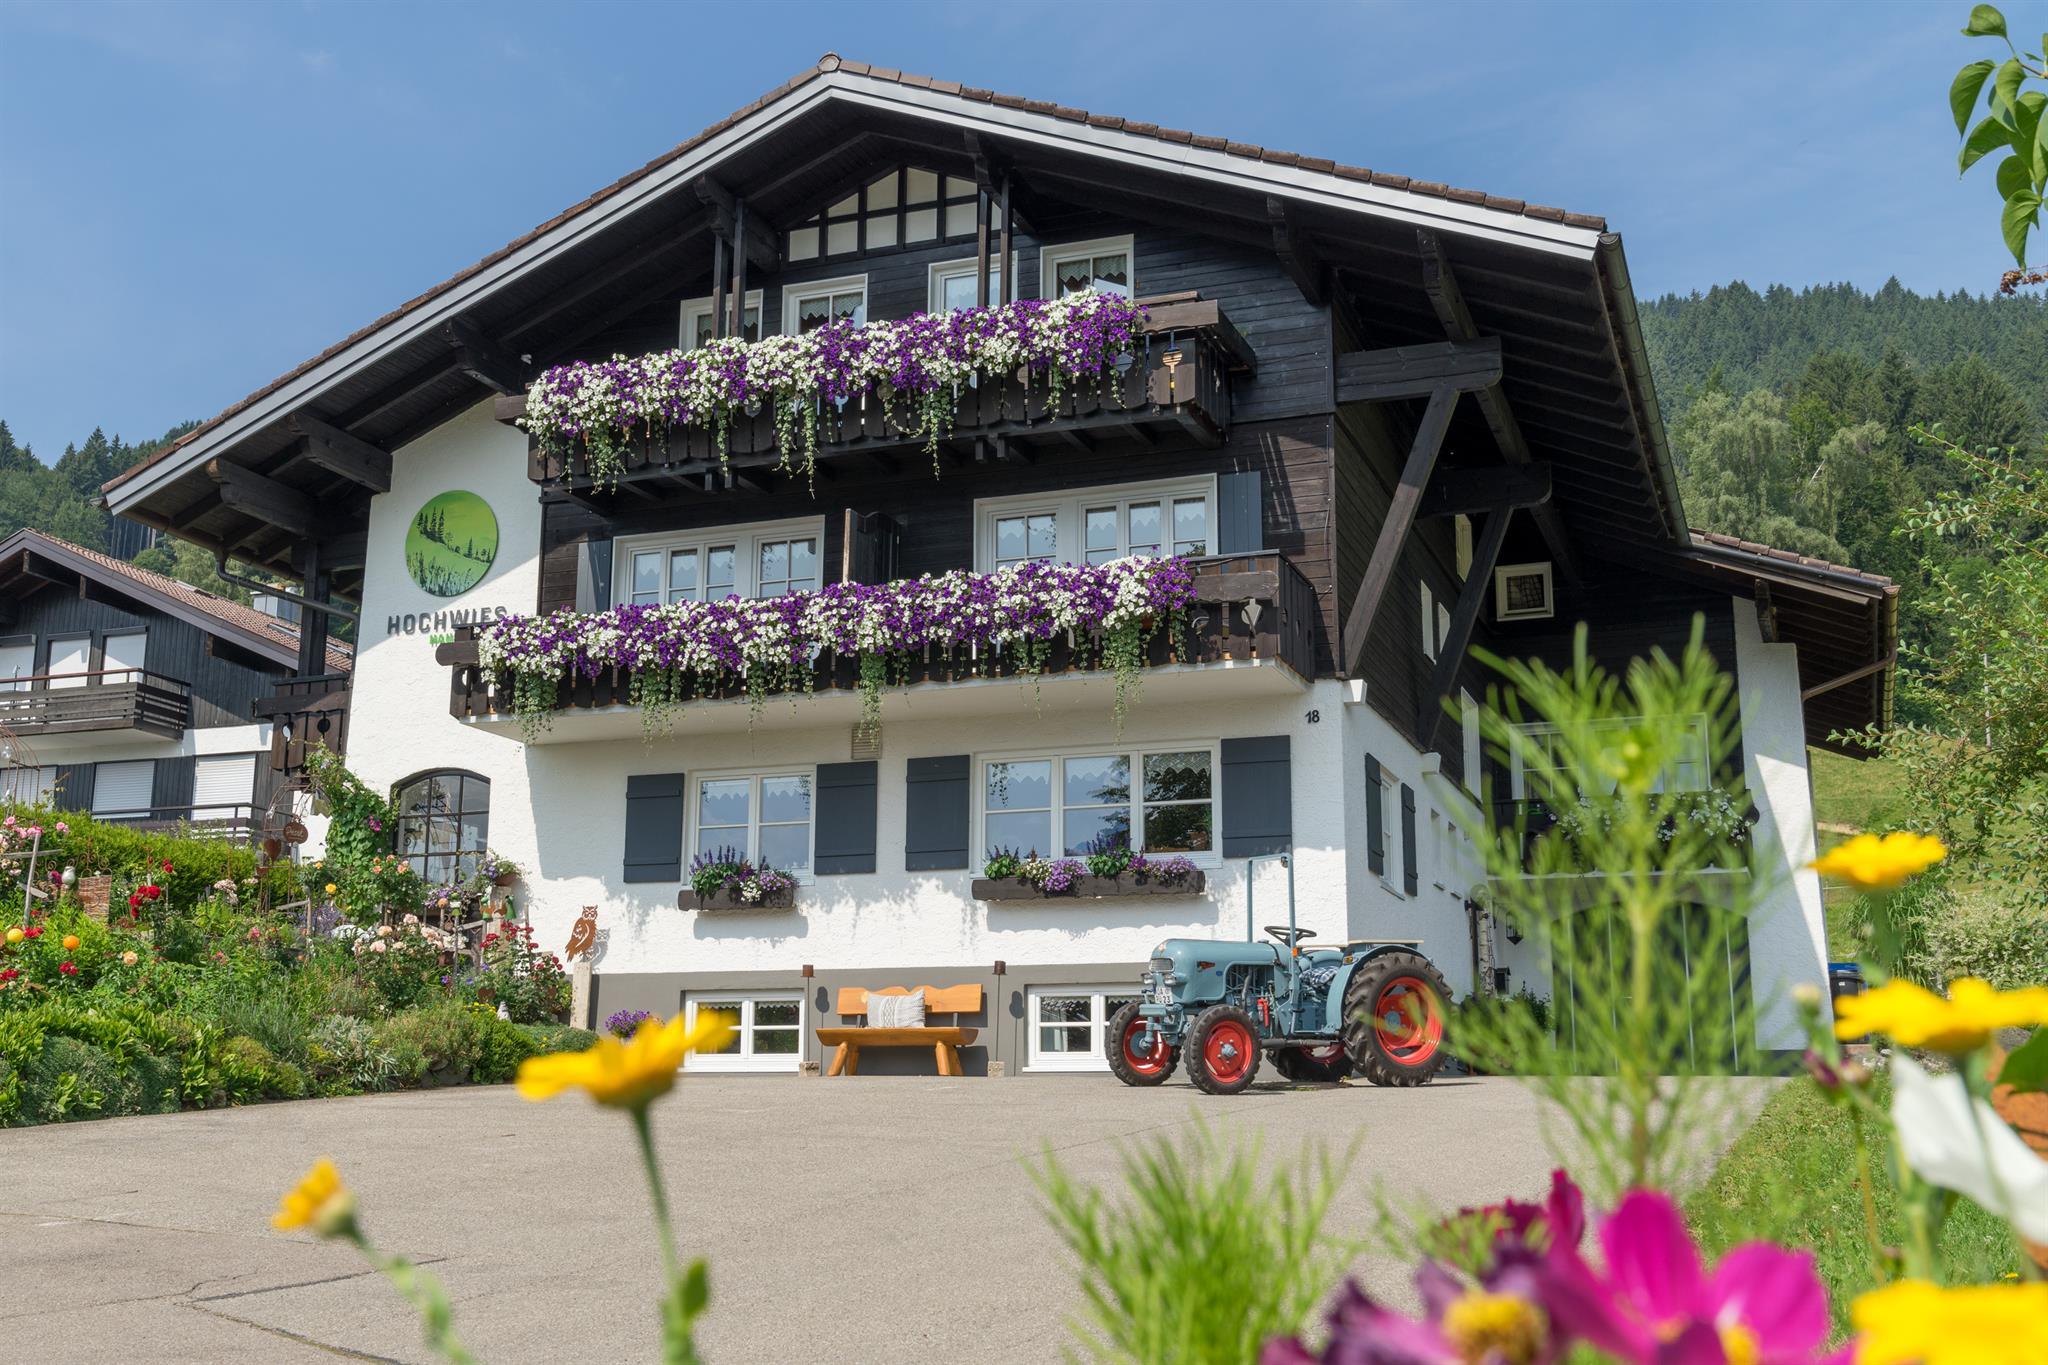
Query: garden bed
1088	888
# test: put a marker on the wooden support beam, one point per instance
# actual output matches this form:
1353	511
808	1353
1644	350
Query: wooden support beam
1450	651
482	359
719	248
992	172
1007	211
338	452
763	241
264	498
1386	550
1298	256
1418	371
1843	680
1497	488
1448	300
736	321
1766	613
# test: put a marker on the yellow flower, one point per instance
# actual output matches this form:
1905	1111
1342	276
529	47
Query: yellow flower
1913	1322
15	936
319	1200
1869	863
330	888
1916	1017
626	1075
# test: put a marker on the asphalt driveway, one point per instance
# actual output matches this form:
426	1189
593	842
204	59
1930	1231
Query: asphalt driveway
848	1220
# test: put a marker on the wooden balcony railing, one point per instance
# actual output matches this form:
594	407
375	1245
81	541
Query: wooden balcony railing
305	713
234	821
113	699
1248	607
1177	386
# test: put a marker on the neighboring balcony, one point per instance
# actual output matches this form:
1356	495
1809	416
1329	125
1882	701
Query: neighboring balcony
1176	389
236	822
119	703
1250	632
1725	883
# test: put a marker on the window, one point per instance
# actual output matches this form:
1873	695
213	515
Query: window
70	661
123	789
1390	830
1521	592
763	559
1468	715
123	656
807	307
223	786
1068	1026
27	786
1094	526
1443	627
697	321
443	821
1429	633
17	660
1535	767
1153	801
952	284
764	819
903	207
1106	265
768	1030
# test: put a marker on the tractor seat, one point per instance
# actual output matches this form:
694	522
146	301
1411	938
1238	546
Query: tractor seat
1289	937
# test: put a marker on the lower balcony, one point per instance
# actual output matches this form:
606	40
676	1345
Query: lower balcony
1251	631
119	704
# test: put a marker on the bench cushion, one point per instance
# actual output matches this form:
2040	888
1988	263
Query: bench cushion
896	1011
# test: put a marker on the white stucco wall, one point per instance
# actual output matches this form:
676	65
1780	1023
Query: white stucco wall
1787	926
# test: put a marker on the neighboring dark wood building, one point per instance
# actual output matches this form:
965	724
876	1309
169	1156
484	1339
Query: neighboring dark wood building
135	696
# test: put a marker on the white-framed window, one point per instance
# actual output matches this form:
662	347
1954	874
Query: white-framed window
27	786
758	559
1096	525
223	786
809	306
764	818
904	207
123	789
1157	799
1522	592
696	324
768	1030
951	286
1108	264
1390	830
1468	716
123	656
1532	764
17	660
70	661
1069	1025
1429	631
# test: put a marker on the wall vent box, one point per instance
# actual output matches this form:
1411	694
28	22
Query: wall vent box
1522	592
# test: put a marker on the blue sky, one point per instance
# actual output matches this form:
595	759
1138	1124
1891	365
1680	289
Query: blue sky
195	197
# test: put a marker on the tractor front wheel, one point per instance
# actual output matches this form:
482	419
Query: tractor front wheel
1133	1063
1394	1019
1321	1064
1223	1050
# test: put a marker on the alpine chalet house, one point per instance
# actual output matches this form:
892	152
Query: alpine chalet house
816	454
136	697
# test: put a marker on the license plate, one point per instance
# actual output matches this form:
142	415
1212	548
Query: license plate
1162	995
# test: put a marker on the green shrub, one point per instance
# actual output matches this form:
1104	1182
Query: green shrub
344	1056
501	1047
1980	933
436	1044
559	1037
128	854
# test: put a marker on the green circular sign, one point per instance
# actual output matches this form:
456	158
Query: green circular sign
451	543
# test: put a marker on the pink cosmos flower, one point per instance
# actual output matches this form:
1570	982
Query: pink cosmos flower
1657	1305
1499	1321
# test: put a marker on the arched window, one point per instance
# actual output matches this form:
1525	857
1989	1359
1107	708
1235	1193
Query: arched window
444	821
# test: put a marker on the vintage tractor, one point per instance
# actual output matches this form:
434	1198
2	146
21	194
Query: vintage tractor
1374	1007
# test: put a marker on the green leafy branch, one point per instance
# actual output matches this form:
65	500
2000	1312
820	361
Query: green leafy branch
2013	120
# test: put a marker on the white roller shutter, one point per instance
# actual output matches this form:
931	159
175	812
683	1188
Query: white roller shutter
222	784
123	788
124	654
73	657
17	661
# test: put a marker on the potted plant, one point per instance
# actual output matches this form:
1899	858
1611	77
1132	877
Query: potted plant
724	879
1112	872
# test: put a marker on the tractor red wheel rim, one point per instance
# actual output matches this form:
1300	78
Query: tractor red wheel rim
1145	1062
1229	1050
1407	1022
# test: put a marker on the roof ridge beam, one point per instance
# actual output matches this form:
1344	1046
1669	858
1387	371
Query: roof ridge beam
483	359
763	240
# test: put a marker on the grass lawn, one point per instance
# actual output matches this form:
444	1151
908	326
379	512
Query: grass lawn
1792	1179
1864	794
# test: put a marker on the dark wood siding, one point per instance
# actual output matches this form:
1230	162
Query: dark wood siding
225	679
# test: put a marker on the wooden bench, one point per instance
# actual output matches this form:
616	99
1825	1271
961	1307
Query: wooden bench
944	1041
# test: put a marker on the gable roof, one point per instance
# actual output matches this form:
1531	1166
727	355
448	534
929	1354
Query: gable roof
230	620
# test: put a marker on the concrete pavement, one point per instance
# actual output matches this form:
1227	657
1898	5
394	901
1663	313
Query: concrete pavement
847	1220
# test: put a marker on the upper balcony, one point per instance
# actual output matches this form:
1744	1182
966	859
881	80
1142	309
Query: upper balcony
1249	632
116	703
1175	387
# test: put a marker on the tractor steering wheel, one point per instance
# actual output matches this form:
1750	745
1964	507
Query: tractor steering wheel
1289	937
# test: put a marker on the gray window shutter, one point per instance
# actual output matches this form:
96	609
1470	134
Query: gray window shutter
1238	521
936	813
1411	875
1258	797
594	575
1375	832
845	830
654	827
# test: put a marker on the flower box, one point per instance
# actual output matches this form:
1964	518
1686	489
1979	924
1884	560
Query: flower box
1089	888
726	901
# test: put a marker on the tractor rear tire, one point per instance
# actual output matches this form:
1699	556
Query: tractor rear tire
1394	1019
1223	1050
1311	1064
1129	1065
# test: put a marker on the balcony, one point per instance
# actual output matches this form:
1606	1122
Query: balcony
1176	388
122	702
1250	632
236	822
1724	882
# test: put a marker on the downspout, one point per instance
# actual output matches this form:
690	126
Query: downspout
1635	359
220	566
